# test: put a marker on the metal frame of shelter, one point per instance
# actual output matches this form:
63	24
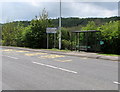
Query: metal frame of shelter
86	40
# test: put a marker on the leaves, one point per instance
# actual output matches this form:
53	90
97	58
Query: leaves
33	34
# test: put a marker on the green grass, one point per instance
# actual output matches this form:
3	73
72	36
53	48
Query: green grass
54	49
109	54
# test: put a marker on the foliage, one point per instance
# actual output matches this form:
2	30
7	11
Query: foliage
10	33
74	22
26	36
66	34
111	37
110	30
90	26
66	44
35	36
33	33
0	34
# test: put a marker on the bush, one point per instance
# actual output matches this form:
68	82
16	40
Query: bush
111	36
66	44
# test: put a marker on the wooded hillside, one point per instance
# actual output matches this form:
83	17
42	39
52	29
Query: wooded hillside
33	33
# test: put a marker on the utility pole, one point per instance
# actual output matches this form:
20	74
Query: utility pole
60	27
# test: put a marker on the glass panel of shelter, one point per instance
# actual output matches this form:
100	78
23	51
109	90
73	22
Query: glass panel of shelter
86	41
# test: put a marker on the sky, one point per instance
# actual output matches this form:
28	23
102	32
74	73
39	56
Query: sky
27	10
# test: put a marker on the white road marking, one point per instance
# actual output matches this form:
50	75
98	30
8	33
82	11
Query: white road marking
115	82
67	70
55	67
10	57
38	63
51	66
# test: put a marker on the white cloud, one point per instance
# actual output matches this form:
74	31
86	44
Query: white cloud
59	0
86	10
34	3
29	0
90	0
28	10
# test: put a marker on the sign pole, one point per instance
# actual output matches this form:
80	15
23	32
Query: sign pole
54	39
51	31
47	40
60	27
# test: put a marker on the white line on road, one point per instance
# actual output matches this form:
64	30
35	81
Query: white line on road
55	67
67	70
115	82
51	66
10	57
38	63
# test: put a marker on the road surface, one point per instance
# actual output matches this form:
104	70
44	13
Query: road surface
27	70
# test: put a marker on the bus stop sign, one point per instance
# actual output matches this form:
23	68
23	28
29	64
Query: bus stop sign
51	30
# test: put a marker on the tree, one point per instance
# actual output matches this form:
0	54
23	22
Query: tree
90	26
18	34
66	44
11	34
8	34
36	36
111	36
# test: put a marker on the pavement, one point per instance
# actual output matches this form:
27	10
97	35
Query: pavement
71	53
28	69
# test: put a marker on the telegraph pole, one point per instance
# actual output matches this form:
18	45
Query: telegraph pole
60	27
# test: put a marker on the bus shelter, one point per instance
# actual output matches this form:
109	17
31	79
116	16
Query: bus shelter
88	40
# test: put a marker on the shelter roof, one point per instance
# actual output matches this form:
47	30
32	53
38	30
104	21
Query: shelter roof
80	31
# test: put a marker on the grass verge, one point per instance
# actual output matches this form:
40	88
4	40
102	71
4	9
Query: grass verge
108	54
57	50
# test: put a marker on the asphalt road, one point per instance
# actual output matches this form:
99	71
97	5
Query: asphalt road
27	70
